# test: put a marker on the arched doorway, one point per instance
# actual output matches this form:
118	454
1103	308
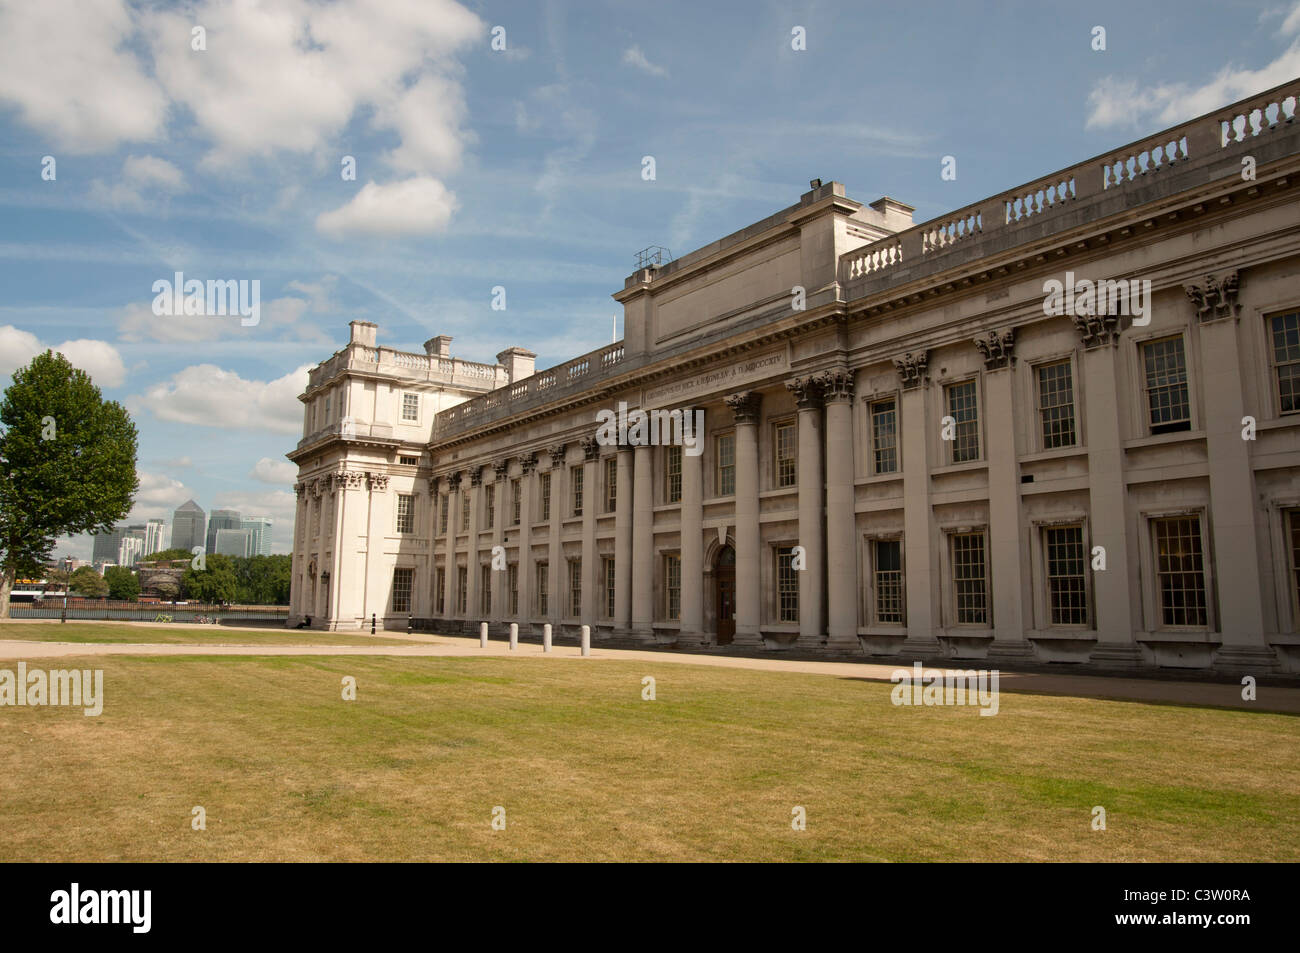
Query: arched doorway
724	593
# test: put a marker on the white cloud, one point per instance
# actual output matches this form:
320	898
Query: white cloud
267	470
99	359
208	396
158	495
177	463
64	65
152	172
633	56
284	317
419	206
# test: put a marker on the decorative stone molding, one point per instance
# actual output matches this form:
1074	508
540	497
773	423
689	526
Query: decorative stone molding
502	468
349	479
1215	297
476	476
998	348
300	490
317	488
807	391
837	385
590	448
912	369
378	481
558	453
528	462
1097	330
745	405
453	481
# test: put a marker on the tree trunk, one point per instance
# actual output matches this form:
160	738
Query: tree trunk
6	586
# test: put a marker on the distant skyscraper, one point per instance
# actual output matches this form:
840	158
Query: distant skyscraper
106	544
188	526
232	542
260	527
130	550
221	519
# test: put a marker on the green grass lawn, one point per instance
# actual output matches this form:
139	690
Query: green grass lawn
587	770
163	634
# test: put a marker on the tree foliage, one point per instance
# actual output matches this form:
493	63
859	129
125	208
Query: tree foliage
67	464
86	582
122	583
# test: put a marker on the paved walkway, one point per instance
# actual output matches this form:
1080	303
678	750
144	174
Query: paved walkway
1218	695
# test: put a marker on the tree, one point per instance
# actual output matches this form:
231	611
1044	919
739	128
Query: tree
88	583
216	583
122	583
67	464
168	554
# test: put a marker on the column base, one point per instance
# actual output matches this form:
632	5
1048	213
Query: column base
1248	660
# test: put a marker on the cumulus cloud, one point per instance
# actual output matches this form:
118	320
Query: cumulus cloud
419	206
209	396
285	318
99	359
267	470
633	56
158	495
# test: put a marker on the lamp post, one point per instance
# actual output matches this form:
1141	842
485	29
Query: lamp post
67	584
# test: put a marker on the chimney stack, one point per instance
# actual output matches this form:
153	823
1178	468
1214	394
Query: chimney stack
363	333
518	363
439	346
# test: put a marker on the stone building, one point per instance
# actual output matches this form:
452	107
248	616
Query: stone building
919	440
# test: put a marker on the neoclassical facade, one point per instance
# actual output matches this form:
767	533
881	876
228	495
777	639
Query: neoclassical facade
908	450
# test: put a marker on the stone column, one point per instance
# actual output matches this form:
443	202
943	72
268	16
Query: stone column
808	396
1006	536
527	487
453	523
501	516
351	516
427	607
298	579
555	575
643	552
623	542
745	405
378	576
590	573
915	432
692	541
841	523
473	611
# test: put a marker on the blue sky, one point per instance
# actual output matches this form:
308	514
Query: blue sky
521	168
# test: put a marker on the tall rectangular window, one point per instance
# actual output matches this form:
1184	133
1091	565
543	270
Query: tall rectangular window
402	589
405	513
440	591
1165	368
512	581
462	589
787	585
543	590
608	562
327	409
464	511
672	474
1066	564
1180	571
962	408
485	589
410	407
970	580
443	508
1284	336
884	436
673	587
1293	547
611	483
490	494
544	488
575	587
516	501
1056	404
887	568
575	491
783	437
726	470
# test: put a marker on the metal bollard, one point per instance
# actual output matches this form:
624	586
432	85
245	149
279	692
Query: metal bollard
586	641
514	636
482	635
546	637
372	623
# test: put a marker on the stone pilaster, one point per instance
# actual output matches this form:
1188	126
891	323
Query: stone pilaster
746	405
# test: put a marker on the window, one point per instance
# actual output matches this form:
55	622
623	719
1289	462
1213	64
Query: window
726	474
464	511
516	499
485	589
440	591
1056	405
327	409
575	492
1165	368
1066	592
962	408
491	504
884	436
611	483
887	570
443	508
608	562
402	589
787	585
575	587
1180	571
783	438
672	474
970	582
673	587
512	584
544	483
1285	340
408	461
405	513
410	406
462	589
543	603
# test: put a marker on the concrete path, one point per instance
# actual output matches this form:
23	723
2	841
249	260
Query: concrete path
1160	691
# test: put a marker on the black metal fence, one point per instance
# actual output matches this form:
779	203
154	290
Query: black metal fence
108	609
